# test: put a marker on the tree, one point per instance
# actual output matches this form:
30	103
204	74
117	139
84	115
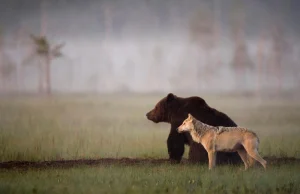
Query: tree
280	48
108	16
241	61
7	66
20	42
44	51
92	82
260	61
7	69
202	34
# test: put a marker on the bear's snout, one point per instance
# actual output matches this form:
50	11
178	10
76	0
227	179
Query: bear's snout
149	115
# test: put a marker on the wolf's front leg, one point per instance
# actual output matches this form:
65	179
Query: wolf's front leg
212	159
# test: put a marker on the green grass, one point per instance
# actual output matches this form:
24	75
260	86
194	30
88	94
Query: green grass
92	127
152	179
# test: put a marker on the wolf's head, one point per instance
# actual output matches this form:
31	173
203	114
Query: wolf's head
187	125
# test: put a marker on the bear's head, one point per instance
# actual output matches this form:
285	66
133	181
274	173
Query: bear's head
164	109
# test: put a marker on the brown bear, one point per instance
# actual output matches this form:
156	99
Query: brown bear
174	110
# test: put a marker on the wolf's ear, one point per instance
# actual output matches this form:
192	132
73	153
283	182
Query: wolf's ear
170	97
190	116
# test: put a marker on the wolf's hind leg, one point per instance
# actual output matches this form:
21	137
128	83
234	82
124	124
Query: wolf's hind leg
254	154
243	155
251	161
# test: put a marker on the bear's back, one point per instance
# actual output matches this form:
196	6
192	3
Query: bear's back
203	112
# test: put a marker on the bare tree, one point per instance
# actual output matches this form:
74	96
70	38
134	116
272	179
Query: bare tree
108	19
260	61
217	11
7	71
156	66
280	48
106	71
7	67
128	73
202	34
92	82
241	61
280	44
1	49
20	42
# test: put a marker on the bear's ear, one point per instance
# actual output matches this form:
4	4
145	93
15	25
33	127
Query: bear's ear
170	97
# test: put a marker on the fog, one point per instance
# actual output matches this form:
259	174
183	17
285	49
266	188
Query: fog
152	45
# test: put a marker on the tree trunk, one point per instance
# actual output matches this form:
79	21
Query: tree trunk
240	76
260	57
43	20
279	74
43	29
1	63
217	9
277	57
19	78
278	48
48	75
208	73
40	81
107	22
1	82
71	72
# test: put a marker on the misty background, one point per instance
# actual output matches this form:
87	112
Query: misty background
149	45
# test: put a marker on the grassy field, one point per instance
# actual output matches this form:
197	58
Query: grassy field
110	126
152	179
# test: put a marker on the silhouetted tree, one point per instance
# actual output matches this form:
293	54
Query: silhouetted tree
7	70
156	66
128	73
260	61
7	67
92	82
108	18
280	48
44	51
280	44
241	61
20	43
202	34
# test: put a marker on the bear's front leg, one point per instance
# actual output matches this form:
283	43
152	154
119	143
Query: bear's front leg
175	145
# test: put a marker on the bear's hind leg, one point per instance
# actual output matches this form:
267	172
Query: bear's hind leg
197	153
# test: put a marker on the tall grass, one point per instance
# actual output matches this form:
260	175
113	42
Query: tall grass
115	126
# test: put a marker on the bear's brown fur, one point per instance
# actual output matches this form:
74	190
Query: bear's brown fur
174	110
